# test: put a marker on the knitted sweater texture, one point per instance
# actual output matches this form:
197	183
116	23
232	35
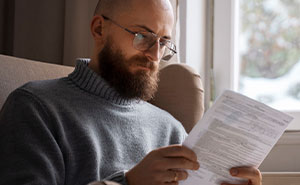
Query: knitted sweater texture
77	129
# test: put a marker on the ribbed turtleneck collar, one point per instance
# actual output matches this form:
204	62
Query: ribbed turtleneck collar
89	81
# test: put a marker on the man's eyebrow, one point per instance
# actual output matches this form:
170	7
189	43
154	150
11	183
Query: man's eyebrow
148	29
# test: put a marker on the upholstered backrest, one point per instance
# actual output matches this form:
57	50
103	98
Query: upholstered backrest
15	72
180	90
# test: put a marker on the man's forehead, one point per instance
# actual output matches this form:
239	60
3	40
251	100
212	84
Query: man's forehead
165	35
160	7
156	17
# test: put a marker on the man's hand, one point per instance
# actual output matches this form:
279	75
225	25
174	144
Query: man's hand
252	174
163	166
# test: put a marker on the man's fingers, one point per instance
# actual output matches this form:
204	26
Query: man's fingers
170	176
175	175
250	173
179	163
178	151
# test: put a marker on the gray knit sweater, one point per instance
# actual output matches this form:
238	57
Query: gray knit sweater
77	129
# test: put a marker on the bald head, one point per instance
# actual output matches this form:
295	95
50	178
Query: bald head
113	7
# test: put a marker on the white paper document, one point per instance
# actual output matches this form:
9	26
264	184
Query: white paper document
235	131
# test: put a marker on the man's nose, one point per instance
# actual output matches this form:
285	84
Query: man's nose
154	53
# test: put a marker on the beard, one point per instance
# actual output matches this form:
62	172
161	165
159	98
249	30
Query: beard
114	68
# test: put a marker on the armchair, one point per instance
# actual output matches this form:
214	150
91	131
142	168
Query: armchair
180	92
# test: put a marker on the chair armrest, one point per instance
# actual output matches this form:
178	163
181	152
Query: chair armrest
180	92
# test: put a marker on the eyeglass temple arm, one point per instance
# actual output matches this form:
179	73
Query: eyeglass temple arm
174	50
106	18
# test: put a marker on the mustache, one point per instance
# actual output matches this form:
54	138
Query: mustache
143	62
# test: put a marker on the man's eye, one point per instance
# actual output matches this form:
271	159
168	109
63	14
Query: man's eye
163	42
140	36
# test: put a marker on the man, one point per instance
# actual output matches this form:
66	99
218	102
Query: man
95	124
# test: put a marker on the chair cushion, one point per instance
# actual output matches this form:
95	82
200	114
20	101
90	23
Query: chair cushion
180	92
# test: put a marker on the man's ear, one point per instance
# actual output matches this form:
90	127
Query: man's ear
97	27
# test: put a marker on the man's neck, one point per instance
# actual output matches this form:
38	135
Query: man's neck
94	65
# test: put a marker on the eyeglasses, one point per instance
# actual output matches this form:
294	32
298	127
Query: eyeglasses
144	40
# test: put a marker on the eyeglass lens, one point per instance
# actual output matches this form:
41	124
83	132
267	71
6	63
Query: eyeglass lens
144	41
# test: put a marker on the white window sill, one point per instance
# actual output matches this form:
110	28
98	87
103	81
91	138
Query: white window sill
285	155
281	178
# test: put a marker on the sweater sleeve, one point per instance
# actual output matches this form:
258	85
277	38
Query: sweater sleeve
29	153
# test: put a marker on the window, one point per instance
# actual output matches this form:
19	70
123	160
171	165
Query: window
232	46
257	52
222	25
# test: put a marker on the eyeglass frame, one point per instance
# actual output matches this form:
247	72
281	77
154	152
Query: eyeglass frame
135	34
